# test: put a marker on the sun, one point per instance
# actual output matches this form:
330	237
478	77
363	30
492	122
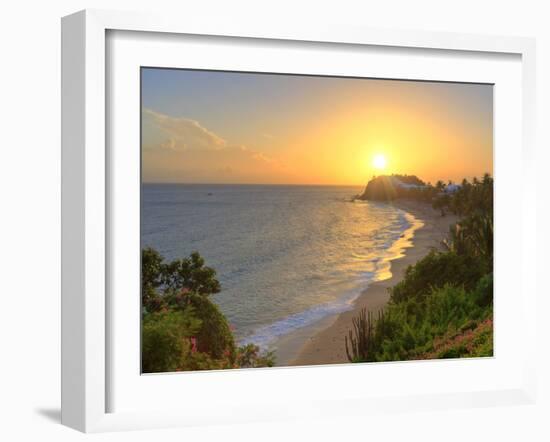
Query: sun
379	162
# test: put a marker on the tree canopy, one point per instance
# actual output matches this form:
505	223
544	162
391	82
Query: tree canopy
182	329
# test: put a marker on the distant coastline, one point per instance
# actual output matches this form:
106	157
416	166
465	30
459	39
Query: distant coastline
171	183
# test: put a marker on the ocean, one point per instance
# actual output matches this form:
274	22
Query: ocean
286	256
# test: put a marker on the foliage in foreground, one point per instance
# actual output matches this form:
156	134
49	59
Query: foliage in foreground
418	328
443	307
182	329
473	340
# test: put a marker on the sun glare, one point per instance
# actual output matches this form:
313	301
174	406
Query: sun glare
379	162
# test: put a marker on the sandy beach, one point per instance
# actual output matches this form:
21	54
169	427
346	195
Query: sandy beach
323	342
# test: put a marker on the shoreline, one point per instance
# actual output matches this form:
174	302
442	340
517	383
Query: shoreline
323	342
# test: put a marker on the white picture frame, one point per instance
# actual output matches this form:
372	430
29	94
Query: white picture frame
86	207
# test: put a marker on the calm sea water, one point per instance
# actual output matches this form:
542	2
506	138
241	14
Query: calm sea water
286	256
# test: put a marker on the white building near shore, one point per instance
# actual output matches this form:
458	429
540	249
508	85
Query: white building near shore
452	188
398	183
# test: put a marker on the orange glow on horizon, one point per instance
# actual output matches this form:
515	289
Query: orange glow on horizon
363	128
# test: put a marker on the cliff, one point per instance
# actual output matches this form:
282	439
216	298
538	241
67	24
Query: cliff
390	187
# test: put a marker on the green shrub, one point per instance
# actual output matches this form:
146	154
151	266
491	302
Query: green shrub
249	356
410	328
166	340
483	293
184	285
434	271
182	328
214	335
151	280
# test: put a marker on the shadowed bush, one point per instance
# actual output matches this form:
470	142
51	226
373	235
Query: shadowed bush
182	328
214	335
434	271
166	340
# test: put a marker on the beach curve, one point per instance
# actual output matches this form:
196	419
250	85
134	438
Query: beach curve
323	343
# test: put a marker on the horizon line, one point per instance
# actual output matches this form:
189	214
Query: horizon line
249	184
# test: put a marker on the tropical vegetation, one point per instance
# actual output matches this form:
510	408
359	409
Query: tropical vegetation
443	307
182	329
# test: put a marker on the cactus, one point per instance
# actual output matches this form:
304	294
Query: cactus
361	337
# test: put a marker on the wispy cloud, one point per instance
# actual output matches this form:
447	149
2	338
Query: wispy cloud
182	149
183	133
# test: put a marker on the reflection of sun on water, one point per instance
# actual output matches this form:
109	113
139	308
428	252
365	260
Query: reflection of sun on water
379	162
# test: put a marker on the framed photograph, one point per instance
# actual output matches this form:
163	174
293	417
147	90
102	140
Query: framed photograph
262	222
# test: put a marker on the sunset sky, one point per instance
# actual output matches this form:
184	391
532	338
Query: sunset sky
217	127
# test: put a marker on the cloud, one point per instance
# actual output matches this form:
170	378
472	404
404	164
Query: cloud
181	133
182	150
